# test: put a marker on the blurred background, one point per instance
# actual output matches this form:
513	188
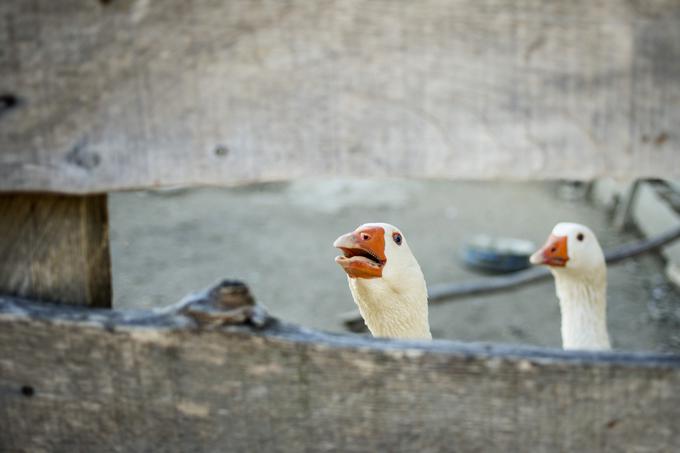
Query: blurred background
277	237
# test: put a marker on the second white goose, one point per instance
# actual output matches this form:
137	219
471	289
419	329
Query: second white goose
576	260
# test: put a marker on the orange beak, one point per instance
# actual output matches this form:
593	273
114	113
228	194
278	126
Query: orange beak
554	252
363	252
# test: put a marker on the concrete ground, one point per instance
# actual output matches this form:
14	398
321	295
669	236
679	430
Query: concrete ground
277	238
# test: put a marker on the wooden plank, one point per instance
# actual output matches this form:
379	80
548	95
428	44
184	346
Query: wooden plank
73	379
55	248
118	95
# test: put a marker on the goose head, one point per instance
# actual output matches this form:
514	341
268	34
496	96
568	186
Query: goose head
571	248
575	258
385	280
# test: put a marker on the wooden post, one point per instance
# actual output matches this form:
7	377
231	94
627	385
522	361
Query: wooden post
55	248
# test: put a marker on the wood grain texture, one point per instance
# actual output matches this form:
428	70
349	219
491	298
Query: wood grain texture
126	94
90	380
55	248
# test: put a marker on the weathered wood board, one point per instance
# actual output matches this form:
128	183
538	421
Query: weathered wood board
124	94
73	379
55	248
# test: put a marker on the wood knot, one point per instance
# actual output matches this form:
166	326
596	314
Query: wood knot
227	303
229	294
81	157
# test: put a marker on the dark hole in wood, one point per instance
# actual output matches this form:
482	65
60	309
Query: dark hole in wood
7	102
27	391
221	150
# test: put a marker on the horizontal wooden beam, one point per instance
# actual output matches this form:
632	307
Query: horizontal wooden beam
55	248
175	380
120	95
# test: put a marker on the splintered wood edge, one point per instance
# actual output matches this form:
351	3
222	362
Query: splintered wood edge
159	324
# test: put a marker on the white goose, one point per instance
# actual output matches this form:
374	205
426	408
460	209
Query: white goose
576	260
386	281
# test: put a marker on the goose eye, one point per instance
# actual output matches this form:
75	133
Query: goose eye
580	237
397	238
